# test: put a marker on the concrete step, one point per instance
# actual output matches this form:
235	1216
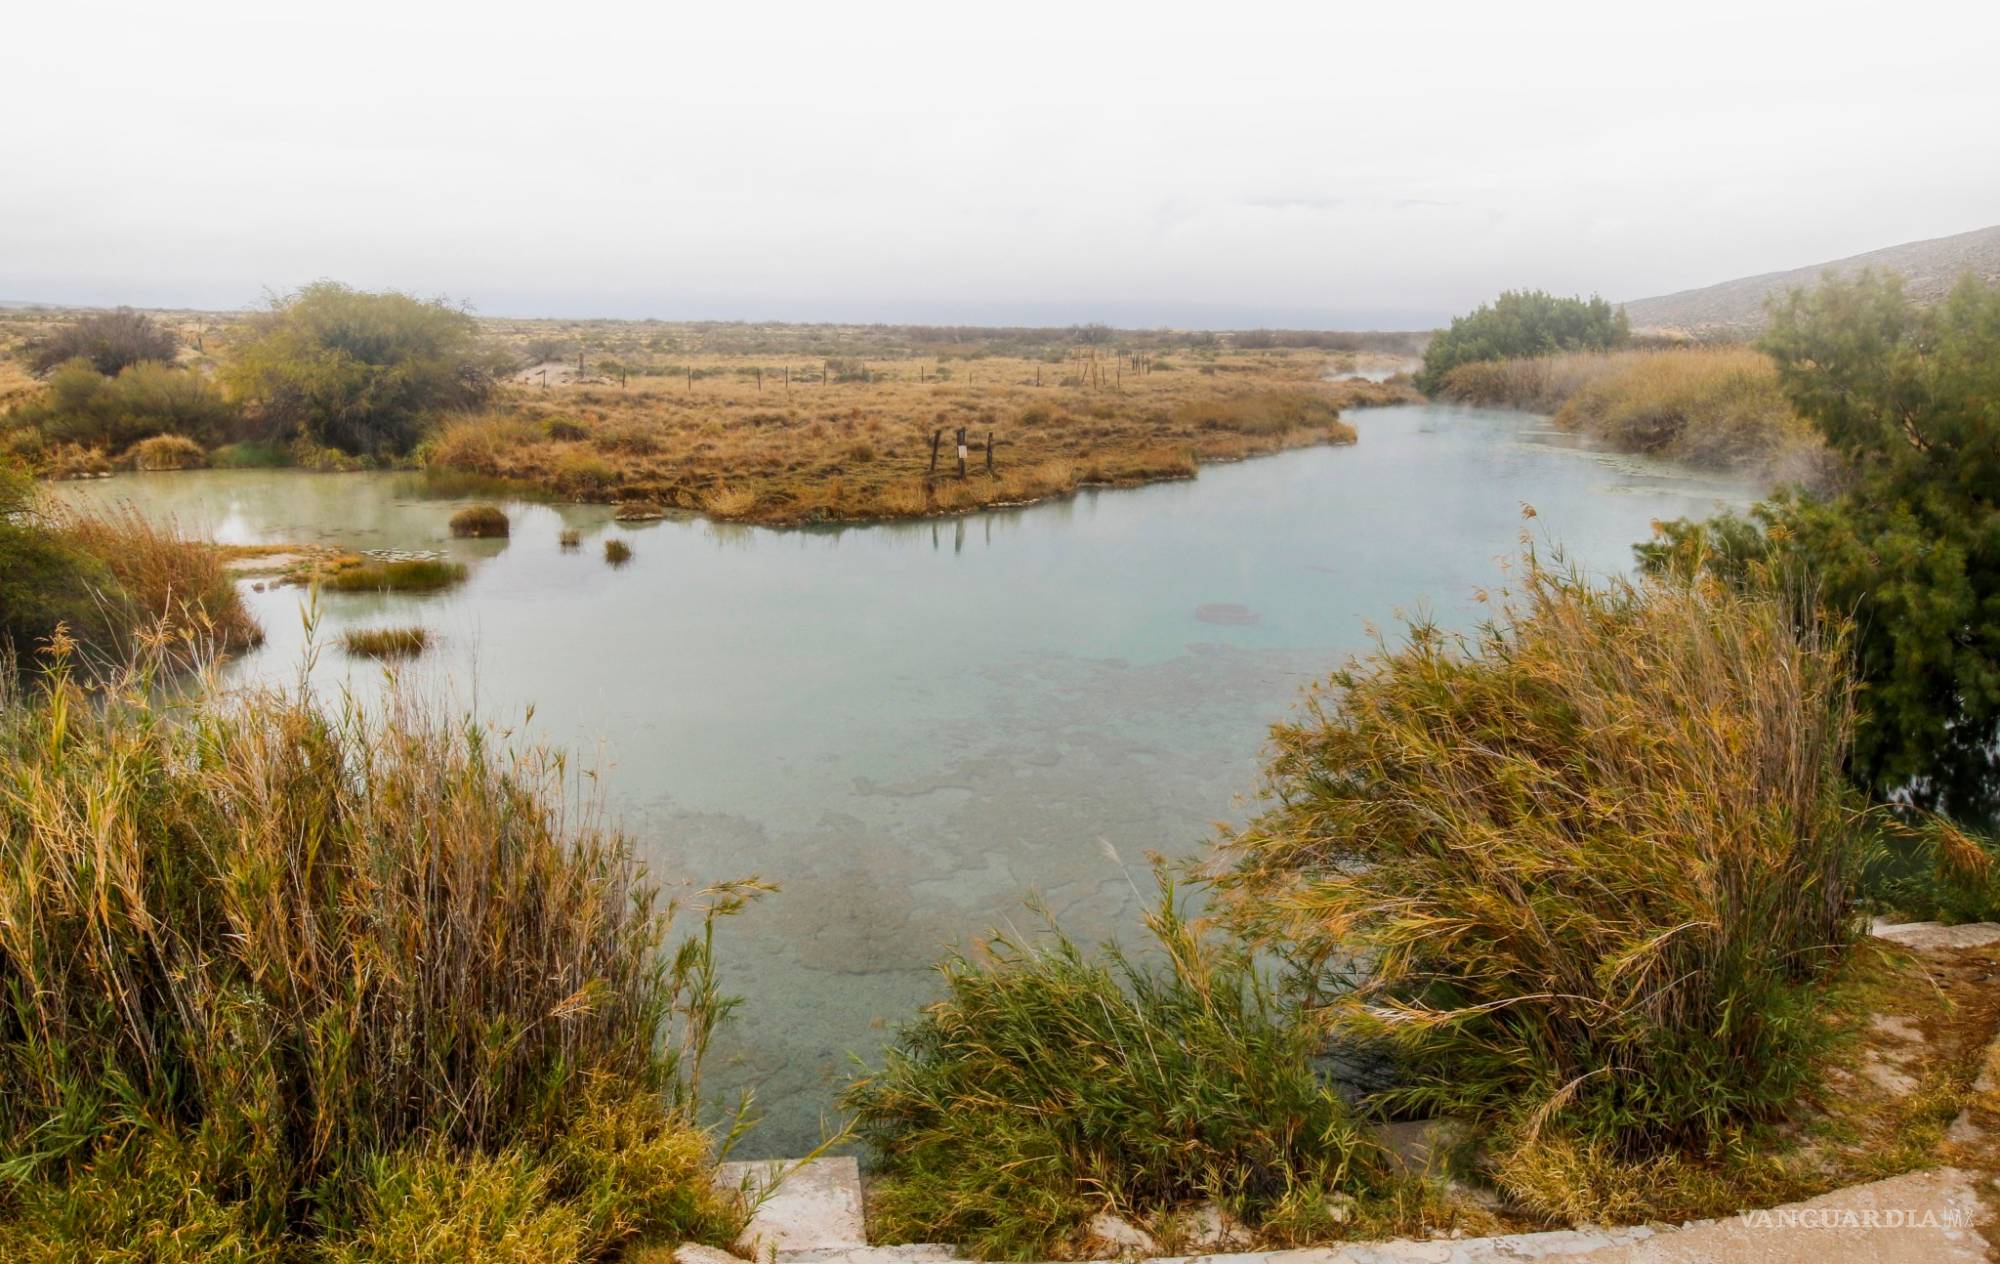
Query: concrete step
812	1208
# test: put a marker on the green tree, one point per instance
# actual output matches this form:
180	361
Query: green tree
1522	323
362	372
1909	398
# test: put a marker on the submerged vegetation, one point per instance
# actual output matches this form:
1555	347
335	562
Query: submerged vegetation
280	977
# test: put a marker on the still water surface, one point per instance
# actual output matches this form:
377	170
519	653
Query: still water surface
910	726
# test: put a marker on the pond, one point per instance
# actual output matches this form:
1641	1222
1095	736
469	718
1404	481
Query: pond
909	727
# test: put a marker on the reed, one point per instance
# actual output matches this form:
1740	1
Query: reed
386	642
423	574
1585	872
275	976
617	552
1717	407
1049	1084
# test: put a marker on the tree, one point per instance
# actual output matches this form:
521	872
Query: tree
110	341
359	371
1909	397
1522	323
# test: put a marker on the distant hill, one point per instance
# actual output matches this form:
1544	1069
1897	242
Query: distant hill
1736	308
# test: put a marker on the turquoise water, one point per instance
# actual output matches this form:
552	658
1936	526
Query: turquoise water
908	727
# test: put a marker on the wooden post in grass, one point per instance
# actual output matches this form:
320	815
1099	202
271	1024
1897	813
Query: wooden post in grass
788	378
989	452
760	379
690	377
936	436
961	453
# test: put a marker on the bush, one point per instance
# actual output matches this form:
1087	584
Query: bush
1904	397
1522	323
1585	871
85	407
166	452
108	341
109	581
1935	871
479	521
361	372
1048	1085
361	979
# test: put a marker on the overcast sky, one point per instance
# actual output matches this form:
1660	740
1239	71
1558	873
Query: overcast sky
1225	164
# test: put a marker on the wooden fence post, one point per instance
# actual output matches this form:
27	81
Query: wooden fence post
989	452
961	452
936	436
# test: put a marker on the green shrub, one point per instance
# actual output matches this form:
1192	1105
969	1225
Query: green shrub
361	372
107	341
1936	871
356	981
85	407
1521	323
1584	871
1048	1084
1904	397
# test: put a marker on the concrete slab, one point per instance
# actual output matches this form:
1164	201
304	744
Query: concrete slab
814	1207
1924	936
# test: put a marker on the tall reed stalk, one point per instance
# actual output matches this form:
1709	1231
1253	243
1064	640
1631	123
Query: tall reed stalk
296	942
1584	870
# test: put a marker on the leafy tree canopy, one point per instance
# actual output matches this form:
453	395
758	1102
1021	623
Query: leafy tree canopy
1910	399
359	371
1522	323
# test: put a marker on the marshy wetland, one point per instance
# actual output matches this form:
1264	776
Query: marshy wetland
908	725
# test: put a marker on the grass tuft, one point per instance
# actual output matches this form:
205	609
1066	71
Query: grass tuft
386	642
424	574
1598	860
1049	1084
282	983
617	552
479	522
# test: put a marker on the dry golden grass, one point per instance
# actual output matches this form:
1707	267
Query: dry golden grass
730	444
1719	407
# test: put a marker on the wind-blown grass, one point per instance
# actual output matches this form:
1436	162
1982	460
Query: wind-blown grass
480	521
1718	407
1585	871
274	976
1049	1084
